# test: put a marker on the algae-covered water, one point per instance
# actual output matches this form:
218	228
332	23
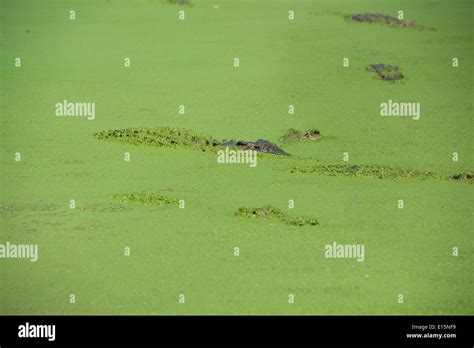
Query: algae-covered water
148	222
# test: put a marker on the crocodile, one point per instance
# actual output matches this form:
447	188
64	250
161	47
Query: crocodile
261	145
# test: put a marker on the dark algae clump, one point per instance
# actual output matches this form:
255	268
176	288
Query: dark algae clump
270	212
180	2
265	212
146	198
386	72
462	177
302	221
386	20
381	172
159	137
297	135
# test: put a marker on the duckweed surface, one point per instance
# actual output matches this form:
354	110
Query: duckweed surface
190	62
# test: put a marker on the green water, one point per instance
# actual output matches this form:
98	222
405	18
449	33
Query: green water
190	251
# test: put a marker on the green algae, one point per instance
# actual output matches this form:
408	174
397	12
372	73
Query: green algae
381	172
302	221
270	212
467	177
297	135
386	72
267	212
384	20
159	137
190	250
146	198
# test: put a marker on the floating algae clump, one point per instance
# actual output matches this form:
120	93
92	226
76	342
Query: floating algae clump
269	212
386	72
146	198
462	177
297	135
382	19
265	212
159	136
302	221
381	172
